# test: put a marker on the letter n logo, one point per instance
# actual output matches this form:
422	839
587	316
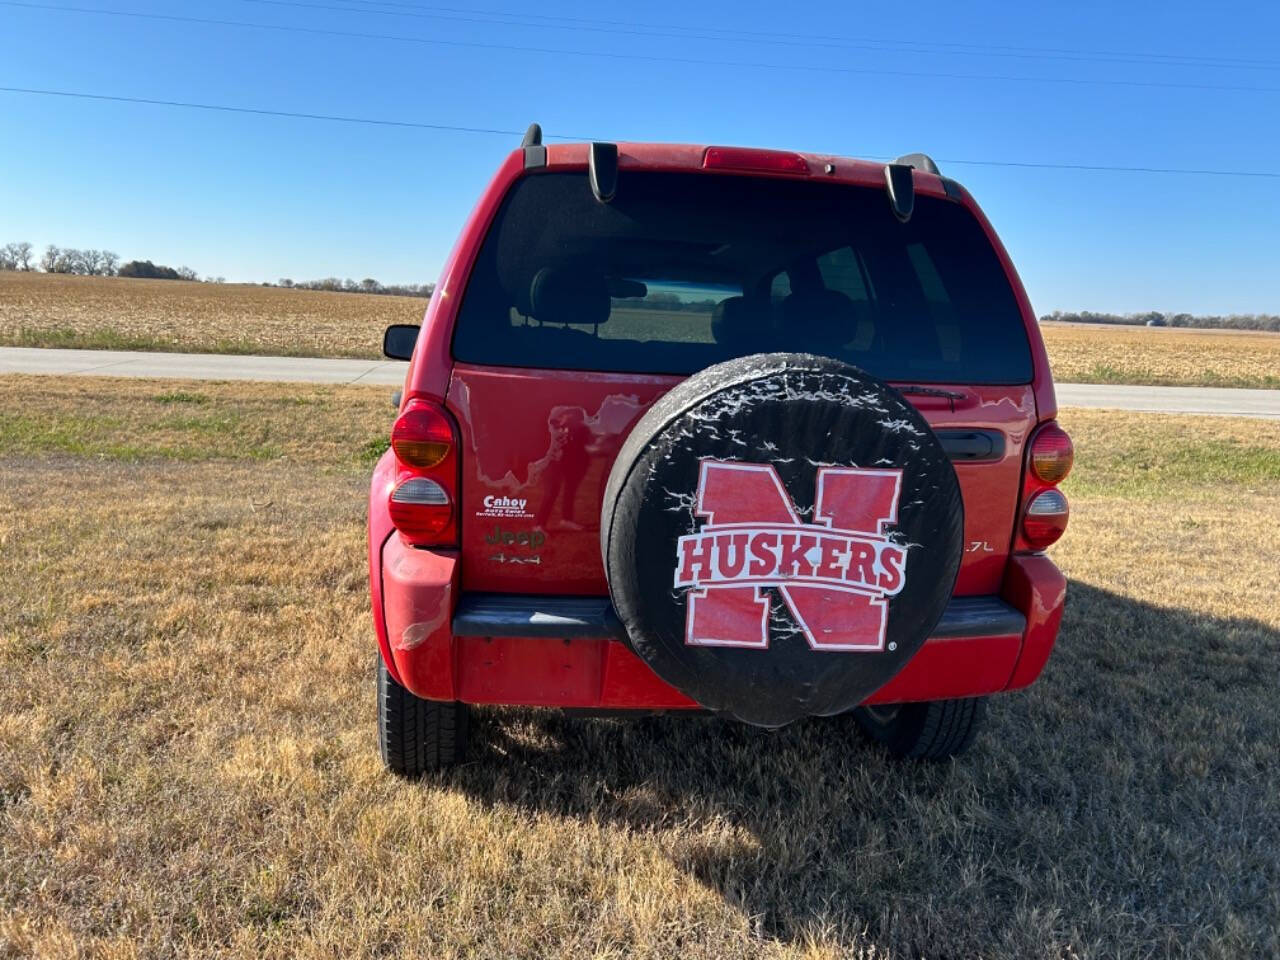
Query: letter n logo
834	575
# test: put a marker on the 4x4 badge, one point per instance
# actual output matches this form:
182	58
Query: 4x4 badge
834	574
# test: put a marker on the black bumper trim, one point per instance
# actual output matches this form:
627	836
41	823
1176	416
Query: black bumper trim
523	615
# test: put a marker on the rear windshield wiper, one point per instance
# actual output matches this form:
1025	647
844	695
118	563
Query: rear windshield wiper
934	392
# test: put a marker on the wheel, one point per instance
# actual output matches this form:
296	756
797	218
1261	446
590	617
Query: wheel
417	736
937	730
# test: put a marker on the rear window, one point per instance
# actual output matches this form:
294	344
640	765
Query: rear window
681	271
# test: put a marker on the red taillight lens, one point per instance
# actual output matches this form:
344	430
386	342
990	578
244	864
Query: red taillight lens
1051	454
421	503
743	158
422	436
420	509
1045	519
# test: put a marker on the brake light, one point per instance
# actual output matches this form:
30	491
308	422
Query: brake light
422	437
1045	519
1045	510
421	503
744	158
1051	454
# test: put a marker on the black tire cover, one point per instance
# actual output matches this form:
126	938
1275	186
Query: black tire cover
773	604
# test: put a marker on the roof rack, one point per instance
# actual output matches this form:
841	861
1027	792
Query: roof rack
921	161
535	154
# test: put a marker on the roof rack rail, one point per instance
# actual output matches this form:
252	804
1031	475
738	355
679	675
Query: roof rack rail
535	154
921	161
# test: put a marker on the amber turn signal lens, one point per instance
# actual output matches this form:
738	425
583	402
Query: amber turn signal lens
422	436
1051	454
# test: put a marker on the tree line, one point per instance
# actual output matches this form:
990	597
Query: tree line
105	263
1235	321
88	263
367	285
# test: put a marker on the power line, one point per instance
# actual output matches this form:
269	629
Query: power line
646	58
1190	171
227	108
665	31
766	36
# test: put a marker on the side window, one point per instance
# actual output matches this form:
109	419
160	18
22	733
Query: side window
667	310
841	271
942	310
644	310
780	288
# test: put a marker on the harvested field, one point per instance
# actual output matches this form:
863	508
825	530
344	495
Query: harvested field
39	310
111	313
1101	353
188	763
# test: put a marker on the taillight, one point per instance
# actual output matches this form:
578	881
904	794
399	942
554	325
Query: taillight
422	437
420	509
421	503
1045	519
1045	510
1051	454
744	158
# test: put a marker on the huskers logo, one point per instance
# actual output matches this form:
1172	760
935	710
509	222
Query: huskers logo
834	574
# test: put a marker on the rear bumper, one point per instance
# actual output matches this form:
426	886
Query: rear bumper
568	651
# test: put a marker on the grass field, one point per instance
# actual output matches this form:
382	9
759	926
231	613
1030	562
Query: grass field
111	313
39	310
1096	353
188	763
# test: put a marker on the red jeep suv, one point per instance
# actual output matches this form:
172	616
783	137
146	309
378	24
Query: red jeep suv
762	433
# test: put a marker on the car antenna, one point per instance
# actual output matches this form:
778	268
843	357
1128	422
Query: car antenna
602	170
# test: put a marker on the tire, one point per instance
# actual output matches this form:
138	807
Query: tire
937	730
759	453
417	736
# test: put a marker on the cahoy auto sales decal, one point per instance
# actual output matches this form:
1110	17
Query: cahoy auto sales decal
835	574
512	508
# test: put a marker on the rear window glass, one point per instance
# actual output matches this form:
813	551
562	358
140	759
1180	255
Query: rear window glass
681	271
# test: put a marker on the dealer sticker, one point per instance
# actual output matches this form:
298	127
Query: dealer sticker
511	508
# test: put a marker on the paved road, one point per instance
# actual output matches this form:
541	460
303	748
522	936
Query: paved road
198	366
209	366
1219	400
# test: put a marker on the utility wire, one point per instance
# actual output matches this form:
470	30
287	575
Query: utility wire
647	58
771	35
227	108
452	15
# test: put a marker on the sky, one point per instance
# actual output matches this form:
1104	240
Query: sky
253	197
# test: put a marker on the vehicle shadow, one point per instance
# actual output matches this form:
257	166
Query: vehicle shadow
1078	822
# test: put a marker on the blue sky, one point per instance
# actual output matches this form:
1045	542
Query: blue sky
257	198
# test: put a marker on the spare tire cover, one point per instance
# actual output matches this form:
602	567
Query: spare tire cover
780	533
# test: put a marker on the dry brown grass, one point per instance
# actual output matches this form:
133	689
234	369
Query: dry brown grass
188	763
43	310
324	426
1105	353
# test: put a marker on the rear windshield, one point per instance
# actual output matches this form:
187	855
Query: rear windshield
681	271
